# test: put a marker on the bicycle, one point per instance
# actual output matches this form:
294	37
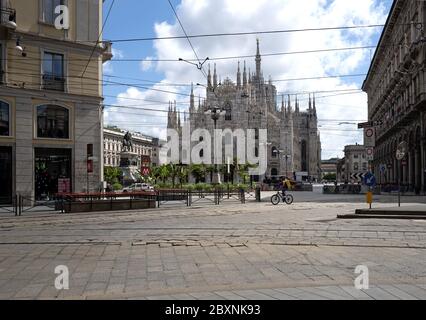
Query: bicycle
287	198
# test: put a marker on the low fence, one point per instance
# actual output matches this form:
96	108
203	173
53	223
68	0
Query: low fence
191	197
92	202
343	189
12	207
96	202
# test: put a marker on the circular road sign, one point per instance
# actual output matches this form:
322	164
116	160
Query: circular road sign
370	179
369	132
401	151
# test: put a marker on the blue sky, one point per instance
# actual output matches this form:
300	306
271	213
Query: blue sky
137	19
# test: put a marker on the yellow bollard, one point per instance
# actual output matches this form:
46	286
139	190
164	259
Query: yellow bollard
370	198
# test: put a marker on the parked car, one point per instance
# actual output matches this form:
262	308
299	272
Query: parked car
138	187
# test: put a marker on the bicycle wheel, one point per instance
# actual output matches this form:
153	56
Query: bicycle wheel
289	199
275	200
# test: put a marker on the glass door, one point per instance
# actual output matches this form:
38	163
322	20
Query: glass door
6	175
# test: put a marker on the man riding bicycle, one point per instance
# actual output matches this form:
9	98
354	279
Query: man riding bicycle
286	185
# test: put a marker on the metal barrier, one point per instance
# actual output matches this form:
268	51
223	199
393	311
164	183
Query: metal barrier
35	205
173	195
83	202
189	198
11	207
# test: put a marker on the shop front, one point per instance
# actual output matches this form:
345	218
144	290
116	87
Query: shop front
53	172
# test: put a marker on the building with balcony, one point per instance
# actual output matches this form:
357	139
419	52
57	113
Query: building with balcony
396	95
51	120
148	149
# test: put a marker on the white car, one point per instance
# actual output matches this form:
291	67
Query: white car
138	187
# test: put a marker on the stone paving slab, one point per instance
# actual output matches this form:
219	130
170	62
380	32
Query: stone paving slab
218	252
309	293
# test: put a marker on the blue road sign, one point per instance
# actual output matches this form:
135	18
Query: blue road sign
370	180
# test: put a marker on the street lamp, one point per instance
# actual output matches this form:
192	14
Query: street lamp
285	156
215	113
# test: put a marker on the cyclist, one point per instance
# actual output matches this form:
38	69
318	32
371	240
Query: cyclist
286	185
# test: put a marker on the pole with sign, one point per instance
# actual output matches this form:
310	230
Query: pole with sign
370	181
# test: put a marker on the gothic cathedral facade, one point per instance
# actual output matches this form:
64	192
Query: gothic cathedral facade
293	139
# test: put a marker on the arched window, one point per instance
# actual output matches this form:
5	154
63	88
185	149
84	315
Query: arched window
274	172
4	119
304	156
228	114
274	152
52	122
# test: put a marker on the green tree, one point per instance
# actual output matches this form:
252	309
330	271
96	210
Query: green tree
210	169
164	173
198	171
155	174
112	175
182	175
173	172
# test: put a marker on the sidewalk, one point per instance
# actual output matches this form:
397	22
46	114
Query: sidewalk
380	292
417	212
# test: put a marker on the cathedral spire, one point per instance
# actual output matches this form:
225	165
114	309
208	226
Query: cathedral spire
310	103
192	100
289	104
178	120
258	61
209	79
315	106
245	75
215	77
239	76
297	105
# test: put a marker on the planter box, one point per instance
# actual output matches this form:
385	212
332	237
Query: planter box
108	205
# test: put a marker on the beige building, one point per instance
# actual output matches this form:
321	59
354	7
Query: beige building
147	148
50	98
353	165
329	167
397	95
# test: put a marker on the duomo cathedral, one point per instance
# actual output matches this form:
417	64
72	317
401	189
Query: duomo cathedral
293	139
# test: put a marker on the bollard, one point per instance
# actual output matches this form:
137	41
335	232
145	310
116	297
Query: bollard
258	194
370	198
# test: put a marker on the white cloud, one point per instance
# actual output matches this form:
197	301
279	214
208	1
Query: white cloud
127	116
147	64
217	16
107	67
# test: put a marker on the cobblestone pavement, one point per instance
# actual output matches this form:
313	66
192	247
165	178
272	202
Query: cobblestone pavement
236	250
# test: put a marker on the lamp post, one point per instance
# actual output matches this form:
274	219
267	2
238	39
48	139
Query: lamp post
286	157
215	113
